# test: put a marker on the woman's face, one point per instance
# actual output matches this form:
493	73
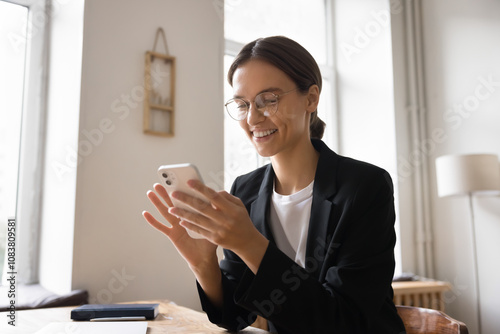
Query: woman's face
281	132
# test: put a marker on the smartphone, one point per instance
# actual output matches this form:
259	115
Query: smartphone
175	177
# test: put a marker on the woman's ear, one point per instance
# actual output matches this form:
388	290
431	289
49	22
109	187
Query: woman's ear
312	99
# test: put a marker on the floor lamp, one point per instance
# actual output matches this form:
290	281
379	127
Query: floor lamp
469	175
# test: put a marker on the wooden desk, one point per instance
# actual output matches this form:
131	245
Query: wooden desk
171	319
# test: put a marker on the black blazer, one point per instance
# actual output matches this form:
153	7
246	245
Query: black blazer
346	285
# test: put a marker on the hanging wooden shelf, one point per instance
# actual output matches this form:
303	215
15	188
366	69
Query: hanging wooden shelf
159	92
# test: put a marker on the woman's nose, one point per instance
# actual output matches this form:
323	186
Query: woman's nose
254	115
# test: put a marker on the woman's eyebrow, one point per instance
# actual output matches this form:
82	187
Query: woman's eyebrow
270	89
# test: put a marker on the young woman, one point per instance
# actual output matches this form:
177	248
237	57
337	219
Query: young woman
308	239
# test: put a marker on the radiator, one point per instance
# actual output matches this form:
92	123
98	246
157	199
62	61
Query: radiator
428	294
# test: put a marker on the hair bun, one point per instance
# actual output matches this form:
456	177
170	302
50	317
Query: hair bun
316	126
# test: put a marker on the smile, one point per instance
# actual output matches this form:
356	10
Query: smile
260	134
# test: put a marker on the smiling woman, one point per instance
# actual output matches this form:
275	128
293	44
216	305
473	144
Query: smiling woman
301	234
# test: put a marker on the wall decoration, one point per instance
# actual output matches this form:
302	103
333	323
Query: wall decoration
159	84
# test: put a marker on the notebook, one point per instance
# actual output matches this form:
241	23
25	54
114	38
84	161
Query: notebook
93	311
113	327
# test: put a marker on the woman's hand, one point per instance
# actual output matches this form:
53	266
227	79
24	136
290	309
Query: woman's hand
198	253
223	220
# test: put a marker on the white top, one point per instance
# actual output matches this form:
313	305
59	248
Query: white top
290	222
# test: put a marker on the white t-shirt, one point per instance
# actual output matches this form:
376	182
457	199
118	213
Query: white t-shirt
290	216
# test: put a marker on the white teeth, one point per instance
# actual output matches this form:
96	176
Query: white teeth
260	134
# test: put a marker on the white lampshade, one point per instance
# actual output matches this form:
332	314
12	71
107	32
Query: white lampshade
465	174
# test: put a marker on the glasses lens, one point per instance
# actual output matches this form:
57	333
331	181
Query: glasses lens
237	109
267	103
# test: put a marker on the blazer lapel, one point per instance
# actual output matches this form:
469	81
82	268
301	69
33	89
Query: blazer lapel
259	209
322	206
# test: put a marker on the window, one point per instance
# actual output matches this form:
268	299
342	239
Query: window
24	24
306	22
12	65
365	88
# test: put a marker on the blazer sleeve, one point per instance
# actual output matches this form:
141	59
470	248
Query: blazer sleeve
232	316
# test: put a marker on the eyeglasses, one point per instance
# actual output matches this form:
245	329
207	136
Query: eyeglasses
266	103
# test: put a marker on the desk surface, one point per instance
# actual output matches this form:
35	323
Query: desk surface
171	319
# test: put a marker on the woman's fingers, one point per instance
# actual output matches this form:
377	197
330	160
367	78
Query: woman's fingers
210	208
161	207
193	218
198	204
163	193
195	228
155	223
217	216
219	199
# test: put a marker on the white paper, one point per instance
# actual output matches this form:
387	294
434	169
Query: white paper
113	327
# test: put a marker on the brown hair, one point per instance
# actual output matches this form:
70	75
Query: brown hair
291	58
